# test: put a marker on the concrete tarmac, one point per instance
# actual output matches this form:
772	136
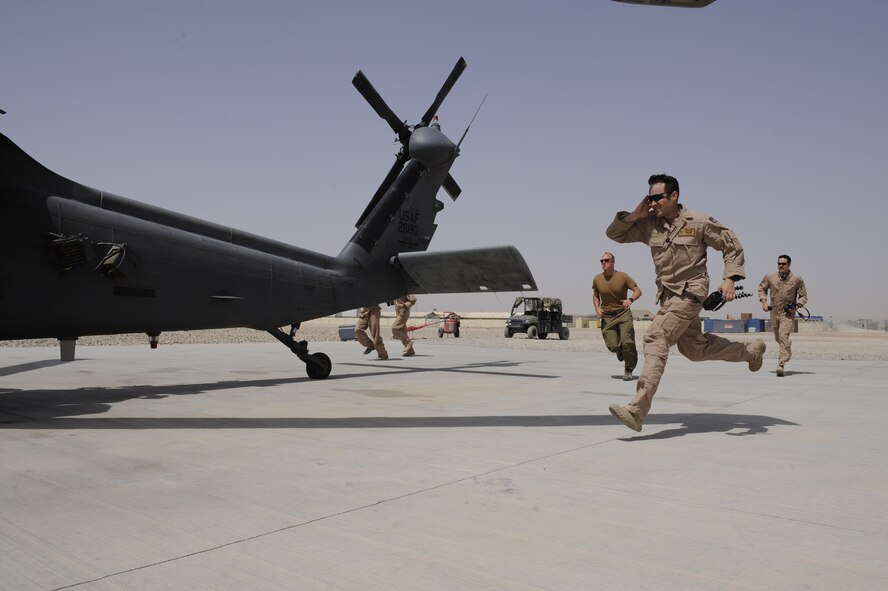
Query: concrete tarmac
224	467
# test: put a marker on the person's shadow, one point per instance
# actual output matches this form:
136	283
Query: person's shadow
729	424
788	372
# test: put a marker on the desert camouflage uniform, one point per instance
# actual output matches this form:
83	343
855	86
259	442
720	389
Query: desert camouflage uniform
368	321
783	291
678	249
399	326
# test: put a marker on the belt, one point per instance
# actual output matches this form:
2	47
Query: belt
613	313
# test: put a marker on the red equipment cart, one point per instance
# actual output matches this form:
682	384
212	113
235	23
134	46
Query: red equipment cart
450	325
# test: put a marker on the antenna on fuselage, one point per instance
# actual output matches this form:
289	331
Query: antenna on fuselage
470	122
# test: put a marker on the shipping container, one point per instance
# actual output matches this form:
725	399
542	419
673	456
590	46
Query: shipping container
717	325
755	325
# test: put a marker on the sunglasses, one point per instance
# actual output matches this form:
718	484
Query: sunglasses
657	197
782	264
602	261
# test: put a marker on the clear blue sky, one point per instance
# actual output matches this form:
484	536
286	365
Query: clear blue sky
771	113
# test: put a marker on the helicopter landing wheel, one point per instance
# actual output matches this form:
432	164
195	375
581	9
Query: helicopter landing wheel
318	366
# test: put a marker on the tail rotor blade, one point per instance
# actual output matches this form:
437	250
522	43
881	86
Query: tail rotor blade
442	94
451	187
369	93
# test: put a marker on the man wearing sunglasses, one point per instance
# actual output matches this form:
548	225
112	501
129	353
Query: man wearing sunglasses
678	239
788	292
609	290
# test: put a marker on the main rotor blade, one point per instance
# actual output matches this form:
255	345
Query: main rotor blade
442	94
369	93
393	173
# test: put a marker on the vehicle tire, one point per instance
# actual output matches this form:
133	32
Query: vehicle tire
440	333
456	332
532	332
507	332
318	367
543	335
564	333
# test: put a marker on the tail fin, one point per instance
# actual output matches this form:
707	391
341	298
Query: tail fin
399	222
401	215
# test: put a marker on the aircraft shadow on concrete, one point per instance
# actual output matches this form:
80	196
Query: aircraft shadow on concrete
711	423
19	408
53	409
482	368
30	366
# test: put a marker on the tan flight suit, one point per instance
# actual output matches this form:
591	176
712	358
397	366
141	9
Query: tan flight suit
399	326
679	253
368	321
783	292
617	327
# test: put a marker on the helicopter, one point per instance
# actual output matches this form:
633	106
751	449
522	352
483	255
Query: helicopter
77	261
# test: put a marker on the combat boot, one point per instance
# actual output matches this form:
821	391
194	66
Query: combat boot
780	371
625	416
758	355
368	350
627	375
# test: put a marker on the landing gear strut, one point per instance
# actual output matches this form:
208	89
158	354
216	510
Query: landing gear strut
317	365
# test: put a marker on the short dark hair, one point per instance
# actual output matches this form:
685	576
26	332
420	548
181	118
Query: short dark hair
787	257
670	181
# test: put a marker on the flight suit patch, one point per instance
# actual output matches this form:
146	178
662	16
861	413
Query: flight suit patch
687	232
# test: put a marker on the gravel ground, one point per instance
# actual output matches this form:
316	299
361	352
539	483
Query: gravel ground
853	346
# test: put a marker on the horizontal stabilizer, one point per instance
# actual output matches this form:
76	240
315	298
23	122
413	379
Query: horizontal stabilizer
476	270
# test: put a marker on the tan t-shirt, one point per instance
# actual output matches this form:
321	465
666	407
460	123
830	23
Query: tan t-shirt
612	290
